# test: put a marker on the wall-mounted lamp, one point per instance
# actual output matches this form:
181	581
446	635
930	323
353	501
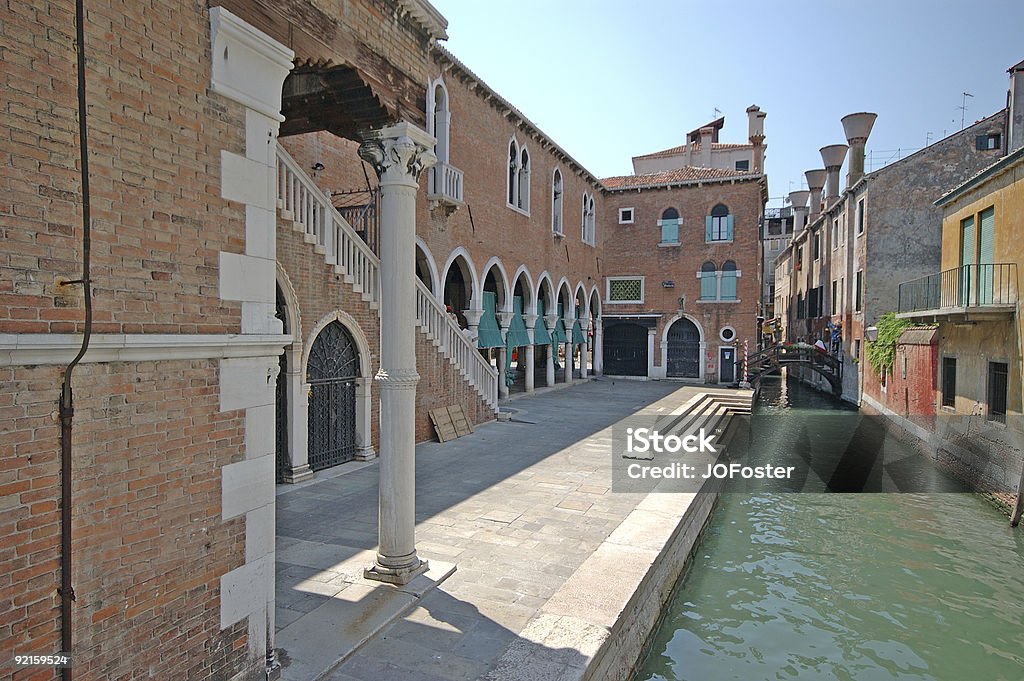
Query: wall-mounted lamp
317	167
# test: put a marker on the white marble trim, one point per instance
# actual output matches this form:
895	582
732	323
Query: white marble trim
60	348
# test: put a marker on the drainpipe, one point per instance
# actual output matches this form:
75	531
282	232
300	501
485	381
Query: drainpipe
67	409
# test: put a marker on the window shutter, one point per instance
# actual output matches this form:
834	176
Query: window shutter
728	226
707	228
981	142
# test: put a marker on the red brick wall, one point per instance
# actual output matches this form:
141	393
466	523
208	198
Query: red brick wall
156	136
149	543
914	395
632	249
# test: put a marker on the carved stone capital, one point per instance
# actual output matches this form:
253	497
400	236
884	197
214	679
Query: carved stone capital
550	320
399	153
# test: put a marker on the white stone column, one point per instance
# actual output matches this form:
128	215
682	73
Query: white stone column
651	336
549	370
364	422
569	322
531	353
504	321
398	154
298	419
599	347
473	316
585	348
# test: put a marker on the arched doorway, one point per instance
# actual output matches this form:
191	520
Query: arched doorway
458	289
332	372
683	350
281	398
625	349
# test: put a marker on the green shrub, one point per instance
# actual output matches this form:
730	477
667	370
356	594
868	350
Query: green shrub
882	351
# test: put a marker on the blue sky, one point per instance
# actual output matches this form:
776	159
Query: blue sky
610	80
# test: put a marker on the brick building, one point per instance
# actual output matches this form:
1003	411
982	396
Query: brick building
248	275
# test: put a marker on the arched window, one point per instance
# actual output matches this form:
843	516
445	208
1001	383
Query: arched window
556	202
727	290
718	226
669	224
708	281
513	172
588	219
523	198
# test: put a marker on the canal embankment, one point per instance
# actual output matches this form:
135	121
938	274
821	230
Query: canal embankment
557	575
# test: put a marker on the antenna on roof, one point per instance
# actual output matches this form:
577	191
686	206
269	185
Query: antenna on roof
963	108
716	114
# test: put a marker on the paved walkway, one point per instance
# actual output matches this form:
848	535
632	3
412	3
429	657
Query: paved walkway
517	506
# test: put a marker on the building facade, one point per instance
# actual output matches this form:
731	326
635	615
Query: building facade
273	291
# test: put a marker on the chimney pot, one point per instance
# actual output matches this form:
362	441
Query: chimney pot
857	127
832	156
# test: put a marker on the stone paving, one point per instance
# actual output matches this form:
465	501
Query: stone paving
518	506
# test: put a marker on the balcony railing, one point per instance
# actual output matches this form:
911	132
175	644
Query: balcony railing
968	286
445	185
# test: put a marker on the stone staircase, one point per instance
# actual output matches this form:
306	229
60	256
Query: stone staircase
310	212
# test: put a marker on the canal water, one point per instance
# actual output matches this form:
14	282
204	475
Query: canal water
858	587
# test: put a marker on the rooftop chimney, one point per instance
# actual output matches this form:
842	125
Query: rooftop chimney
1015	106
832	156
798	200
815	182
706	135
755	131
857	127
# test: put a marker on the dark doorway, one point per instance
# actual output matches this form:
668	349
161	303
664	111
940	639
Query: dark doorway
727	365
281	398
331	373
625	349
683	350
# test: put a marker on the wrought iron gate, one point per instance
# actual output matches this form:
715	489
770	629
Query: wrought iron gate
281	399
683	350
625	350
331	373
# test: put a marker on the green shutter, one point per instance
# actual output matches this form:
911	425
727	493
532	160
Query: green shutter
670	231
707	228
728	286
966	260
986	255
708	285
728	226
489	331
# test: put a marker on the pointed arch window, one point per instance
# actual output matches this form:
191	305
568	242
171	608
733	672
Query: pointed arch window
727	288
588	226
708	281
523	198
556	202
513	173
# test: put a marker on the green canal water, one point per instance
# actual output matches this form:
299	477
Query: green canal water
859	587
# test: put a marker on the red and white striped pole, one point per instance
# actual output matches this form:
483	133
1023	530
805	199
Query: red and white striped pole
745	383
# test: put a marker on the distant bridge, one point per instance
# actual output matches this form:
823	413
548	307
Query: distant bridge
773	358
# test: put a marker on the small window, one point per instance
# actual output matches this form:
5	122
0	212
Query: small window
989	142
856	349
588	229
997	391
727	334
626	290
513	172
743	165
859	292
523	199
949	381
860	216
835	296
817	245
835	234
625	216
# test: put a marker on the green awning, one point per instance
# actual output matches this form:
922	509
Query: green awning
558	335
577	333
516	337
540	329
489	331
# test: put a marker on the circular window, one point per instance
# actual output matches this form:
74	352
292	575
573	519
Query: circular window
728	334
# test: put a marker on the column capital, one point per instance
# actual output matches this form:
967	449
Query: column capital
398	153
505	320
550	320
